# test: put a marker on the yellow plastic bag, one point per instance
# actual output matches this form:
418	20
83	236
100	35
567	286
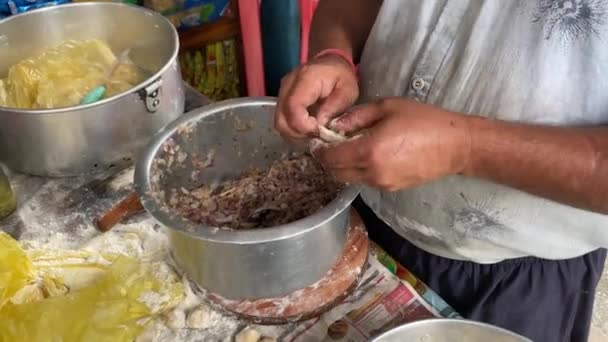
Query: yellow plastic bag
114	305
63	75
16	270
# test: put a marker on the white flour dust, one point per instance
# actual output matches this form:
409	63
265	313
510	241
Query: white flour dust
191	320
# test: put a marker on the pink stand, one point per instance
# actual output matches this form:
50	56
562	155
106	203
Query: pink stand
307	10
249	13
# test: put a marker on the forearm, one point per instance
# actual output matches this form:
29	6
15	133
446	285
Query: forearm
568	165
342	24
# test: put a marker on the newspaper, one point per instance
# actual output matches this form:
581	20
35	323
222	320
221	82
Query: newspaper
387	296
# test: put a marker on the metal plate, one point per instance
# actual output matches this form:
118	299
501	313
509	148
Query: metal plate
449	330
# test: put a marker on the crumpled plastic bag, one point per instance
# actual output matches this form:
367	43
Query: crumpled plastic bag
16	270
63	75
114	304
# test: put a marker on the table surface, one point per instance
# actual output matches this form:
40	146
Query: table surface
71	201
67	207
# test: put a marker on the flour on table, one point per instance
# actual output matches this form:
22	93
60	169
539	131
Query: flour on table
56	217
123	180
57	214
191	320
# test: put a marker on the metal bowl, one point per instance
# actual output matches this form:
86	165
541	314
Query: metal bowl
245	264
449	330
94	137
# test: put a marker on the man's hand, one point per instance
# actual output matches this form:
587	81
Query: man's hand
404	144
327	82
407	143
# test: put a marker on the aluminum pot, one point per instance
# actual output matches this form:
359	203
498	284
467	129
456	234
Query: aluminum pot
82	139
244	264
449	330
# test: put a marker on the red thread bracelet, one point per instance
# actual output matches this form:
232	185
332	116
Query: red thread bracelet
339	53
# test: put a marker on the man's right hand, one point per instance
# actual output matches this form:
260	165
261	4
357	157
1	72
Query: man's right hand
328	82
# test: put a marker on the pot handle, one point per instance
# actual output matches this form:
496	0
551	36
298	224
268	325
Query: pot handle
151	95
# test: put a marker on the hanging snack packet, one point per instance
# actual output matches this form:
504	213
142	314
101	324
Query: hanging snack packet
211	68
220	80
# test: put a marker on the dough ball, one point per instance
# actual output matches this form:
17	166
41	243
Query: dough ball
199	318
248	335
176	319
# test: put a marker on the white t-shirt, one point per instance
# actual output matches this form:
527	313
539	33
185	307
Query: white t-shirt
536	61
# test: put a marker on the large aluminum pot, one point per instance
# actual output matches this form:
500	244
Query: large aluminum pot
81	139
449	330
244	264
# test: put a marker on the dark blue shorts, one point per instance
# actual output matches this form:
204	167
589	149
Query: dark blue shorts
544	300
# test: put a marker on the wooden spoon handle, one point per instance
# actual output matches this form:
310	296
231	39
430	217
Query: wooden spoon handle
126	208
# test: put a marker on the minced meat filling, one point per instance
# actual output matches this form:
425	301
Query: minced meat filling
292	188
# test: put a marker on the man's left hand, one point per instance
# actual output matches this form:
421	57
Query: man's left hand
404	144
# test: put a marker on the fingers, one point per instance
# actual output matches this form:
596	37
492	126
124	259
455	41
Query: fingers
292	119
302	91
358	118
349	154
327	85
337	102
280	124
358	160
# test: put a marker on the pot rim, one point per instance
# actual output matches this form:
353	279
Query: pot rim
432	321
178	223
131	90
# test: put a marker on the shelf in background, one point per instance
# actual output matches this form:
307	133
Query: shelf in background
207	33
